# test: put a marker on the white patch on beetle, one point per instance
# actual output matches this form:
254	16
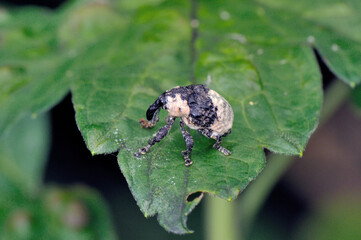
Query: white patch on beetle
225	114
190	124
177	107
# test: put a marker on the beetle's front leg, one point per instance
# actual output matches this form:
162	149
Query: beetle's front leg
189	143
162	132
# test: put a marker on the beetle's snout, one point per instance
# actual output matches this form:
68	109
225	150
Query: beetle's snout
153	109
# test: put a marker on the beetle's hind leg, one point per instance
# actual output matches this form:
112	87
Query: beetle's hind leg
162	132
209	133
189	143
218	146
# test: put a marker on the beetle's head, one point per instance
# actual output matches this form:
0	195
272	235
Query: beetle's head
153	110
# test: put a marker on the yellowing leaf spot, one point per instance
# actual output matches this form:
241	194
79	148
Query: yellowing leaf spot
335	47
283	61
310	39
238	37
69	74
224	15
195	23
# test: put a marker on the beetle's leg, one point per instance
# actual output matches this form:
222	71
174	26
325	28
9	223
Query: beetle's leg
218	146
208	133
189	143
162	132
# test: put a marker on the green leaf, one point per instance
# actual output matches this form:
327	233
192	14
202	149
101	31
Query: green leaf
37	48
32	68
329	26
112	84
332	27
29	212
111	94
269	75
77	213
23	151
82	22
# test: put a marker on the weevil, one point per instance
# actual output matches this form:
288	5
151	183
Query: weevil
199	108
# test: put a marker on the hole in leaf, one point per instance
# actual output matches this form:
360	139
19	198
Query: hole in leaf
194	195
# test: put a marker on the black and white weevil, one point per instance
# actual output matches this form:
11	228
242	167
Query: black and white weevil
199	108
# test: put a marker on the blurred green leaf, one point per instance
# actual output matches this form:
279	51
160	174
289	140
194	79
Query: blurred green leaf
356	97
32	67
77	213
83	22
335	219
23	152
29	212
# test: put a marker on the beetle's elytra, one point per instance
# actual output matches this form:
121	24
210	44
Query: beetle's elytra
199	108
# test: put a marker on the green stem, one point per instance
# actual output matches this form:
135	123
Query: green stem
256	194
220	219
194	36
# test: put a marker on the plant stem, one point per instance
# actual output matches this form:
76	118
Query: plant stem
256	194
220	219
194	35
